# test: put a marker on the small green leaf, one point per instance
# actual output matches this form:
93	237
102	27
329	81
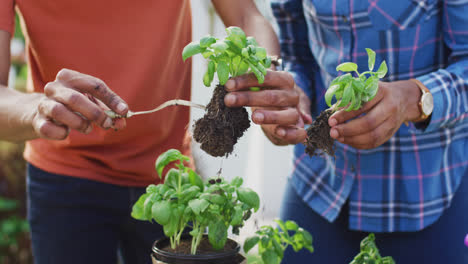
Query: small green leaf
371	60
168	157
348	90
189	194
217	234
243	68
382	71
236	217
172	178
207	41
347	67
257	72
219	46
250	242
353	102
223	72
358	85
267	62
249	197
195	179
291	225
237	181
206	79
278	249
192	49
237	36
260	53
330	92
270	257
161	212
152	188
251	41
198	205
138	211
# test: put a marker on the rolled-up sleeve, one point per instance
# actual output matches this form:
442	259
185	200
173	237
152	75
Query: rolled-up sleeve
449	86
7	16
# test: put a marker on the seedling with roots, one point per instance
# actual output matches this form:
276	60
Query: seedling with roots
350	92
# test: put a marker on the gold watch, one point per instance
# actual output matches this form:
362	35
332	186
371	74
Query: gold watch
426	103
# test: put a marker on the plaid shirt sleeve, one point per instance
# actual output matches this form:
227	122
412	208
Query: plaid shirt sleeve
295	51
7	16
449	86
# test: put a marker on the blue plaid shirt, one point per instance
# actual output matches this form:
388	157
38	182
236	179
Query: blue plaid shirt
408	182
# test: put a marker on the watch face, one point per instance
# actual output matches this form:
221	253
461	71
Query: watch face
427	103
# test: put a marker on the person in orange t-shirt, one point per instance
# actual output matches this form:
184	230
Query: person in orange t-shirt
85	170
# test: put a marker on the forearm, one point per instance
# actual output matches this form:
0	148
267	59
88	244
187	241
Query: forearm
17	111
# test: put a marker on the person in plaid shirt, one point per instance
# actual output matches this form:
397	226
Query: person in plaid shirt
404	182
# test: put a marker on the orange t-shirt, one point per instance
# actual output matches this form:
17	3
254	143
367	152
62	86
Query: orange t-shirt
133	46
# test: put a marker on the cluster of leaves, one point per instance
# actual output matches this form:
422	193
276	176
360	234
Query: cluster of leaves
354	91
272	242
185	201
233	56
370	253
11	227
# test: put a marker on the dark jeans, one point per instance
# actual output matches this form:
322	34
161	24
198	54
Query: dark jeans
334	243
85	222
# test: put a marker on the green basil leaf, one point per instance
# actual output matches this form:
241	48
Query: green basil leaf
161	212
138	211
219	46
382	71
372	89
388	260
150	200
152	188
330	92
358	85
251	41
260	52
223	72
237	181
291	225
236	217
189	194
217	199
270	257
347	67
206	79
249	197
237	36
195	179
371	60
352	100
207	41
192	49
172	178
250	242
168	157
348	90
278	249
257	72
267	62
243	68
198	205
217	234
358	101
245	53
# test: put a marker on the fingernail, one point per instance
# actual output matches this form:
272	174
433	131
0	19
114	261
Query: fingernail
332	122
281	132
334	133
107	123
121	107
258	117
229	85
230	99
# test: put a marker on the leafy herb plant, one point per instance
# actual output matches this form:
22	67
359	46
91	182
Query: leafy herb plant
272	242
184	201
350	92
370	253
237	54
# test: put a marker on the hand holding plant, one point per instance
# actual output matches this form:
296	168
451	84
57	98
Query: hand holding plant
350	92
370	253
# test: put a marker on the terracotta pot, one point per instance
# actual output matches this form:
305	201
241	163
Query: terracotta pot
160	256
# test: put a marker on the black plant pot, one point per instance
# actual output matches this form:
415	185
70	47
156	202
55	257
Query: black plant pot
227	256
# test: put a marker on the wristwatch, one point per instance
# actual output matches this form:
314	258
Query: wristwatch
426	103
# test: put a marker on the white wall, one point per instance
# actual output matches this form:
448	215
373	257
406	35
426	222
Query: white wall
263	166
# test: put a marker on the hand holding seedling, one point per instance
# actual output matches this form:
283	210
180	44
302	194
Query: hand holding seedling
385	106
280	106
75	101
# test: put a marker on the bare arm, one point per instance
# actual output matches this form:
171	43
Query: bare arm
69	102
244	14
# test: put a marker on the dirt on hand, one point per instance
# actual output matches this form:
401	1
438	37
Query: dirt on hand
221	126
318	136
